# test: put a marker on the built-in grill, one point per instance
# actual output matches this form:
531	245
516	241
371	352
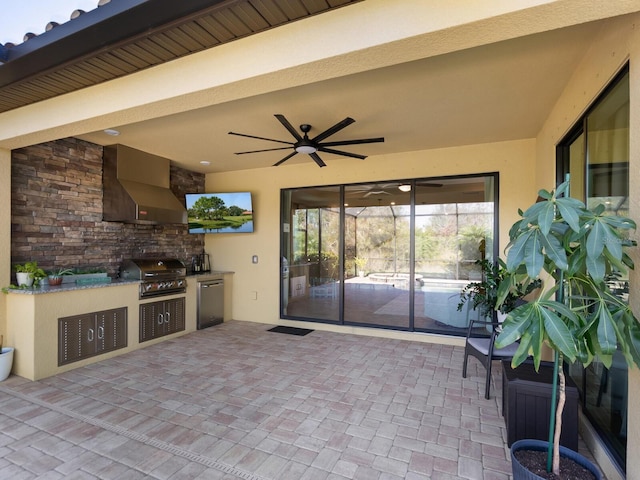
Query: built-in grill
158	276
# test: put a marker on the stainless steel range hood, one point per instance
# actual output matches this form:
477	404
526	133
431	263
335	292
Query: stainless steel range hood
136	188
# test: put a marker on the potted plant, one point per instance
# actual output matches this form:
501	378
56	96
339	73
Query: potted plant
55	276
571	250
6	360
483	295
29	274
360	264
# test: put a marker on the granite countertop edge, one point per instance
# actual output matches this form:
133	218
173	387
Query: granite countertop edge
68	287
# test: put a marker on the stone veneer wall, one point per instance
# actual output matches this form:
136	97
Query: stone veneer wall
56	212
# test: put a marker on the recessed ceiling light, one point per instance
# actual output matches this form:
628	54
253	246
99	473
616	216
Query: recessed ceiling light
205	162
404	188
112	131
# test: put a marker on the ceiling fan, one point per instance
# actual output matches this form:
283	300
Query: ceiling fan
311	146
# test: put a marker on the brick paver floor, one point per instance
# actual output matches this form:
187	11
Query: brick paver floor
238	402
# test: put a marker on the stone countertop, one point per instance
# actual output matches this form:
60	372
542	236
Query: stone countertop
200	276
67	287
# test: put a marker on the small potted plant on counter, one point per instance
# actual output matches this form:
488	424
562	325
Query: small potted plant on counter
29	274
573	250
55	276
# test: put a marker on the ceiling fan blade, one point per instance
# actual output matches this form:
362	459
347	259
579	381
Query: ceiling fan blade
376	192
285	158
340	152
265	150
288	126
352	142
317	159
260	138
331	130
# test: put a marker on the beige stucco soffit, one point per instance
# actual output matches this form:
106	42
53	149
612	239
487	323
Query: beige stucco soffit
350	40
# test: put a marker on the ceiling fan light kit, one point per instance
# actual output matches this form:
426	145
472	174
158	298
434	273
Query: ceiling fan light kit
311	146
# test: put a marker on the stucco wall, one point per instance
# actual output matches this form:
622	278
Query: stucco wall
514	160
5	229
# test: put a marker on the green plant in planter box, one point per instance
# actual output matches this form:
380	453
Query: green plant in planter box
572	250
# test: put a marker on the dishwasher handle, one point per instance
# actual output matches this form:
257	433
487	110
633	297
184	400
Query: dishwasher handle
213	283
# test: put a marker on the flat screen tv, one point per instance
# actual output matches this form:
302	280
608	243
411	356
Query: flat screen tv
220	212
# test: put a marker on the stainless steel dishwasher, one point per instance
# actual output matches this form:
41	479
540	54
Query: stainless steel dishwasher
210	302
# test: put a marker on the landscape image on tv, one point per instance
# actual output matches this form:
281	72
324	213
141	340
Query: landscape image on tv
220	212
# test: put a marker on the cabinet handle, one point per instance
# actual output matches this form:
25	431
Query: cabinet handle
90	334
168	319
160	319
100	333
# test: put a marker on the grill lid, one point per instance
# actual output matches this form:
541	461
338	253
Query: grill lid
152	269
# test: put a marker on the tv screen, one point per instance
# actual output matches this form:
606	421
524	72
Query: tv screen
220	212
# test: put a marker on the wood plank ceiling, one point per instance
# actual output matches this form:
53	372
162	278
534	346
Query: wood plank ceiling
170	38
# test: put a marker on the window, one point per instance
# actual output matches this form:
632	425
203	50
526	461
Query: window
595	156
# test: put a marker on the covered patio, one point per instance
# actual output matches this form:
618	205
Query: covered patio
237	401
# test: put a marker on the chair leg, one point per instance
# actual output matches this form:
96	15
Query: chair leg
488	382
464	364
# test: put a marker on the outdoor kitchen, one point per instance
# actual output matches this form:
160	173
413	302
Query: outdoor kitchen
150	292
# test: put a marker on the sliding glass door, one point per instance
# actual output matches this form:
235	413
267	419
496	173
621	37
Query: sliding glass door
390	254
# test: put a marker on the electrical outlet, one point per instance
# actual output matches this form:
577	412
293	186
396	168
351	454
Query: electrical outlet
254	295
254	259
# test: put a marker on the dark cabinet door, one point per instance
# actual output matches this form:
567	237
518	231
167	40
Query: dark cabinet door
175	310
111	330
151	320
89	334
76	338
161	318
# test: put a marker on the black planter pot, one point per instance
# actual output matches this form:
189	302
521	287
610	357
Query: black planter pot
521	473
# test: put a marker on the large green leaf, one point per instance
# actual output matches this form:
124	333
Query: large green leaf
534	257
532	213
546	216
595	240
612	242
633	331
516	322
516	253
576	261
617	263
522	352
616	221
596	267
555	251
562	189
559	334
570	209
606	332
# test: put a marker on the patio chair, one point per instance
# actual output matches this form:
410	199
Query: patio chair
479	343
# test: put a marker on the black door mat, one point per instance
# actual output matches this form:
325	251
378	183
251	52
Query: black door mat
301	332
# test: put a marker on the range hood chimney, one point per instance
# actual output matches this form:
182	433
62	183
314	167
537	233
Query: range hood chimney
136	188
